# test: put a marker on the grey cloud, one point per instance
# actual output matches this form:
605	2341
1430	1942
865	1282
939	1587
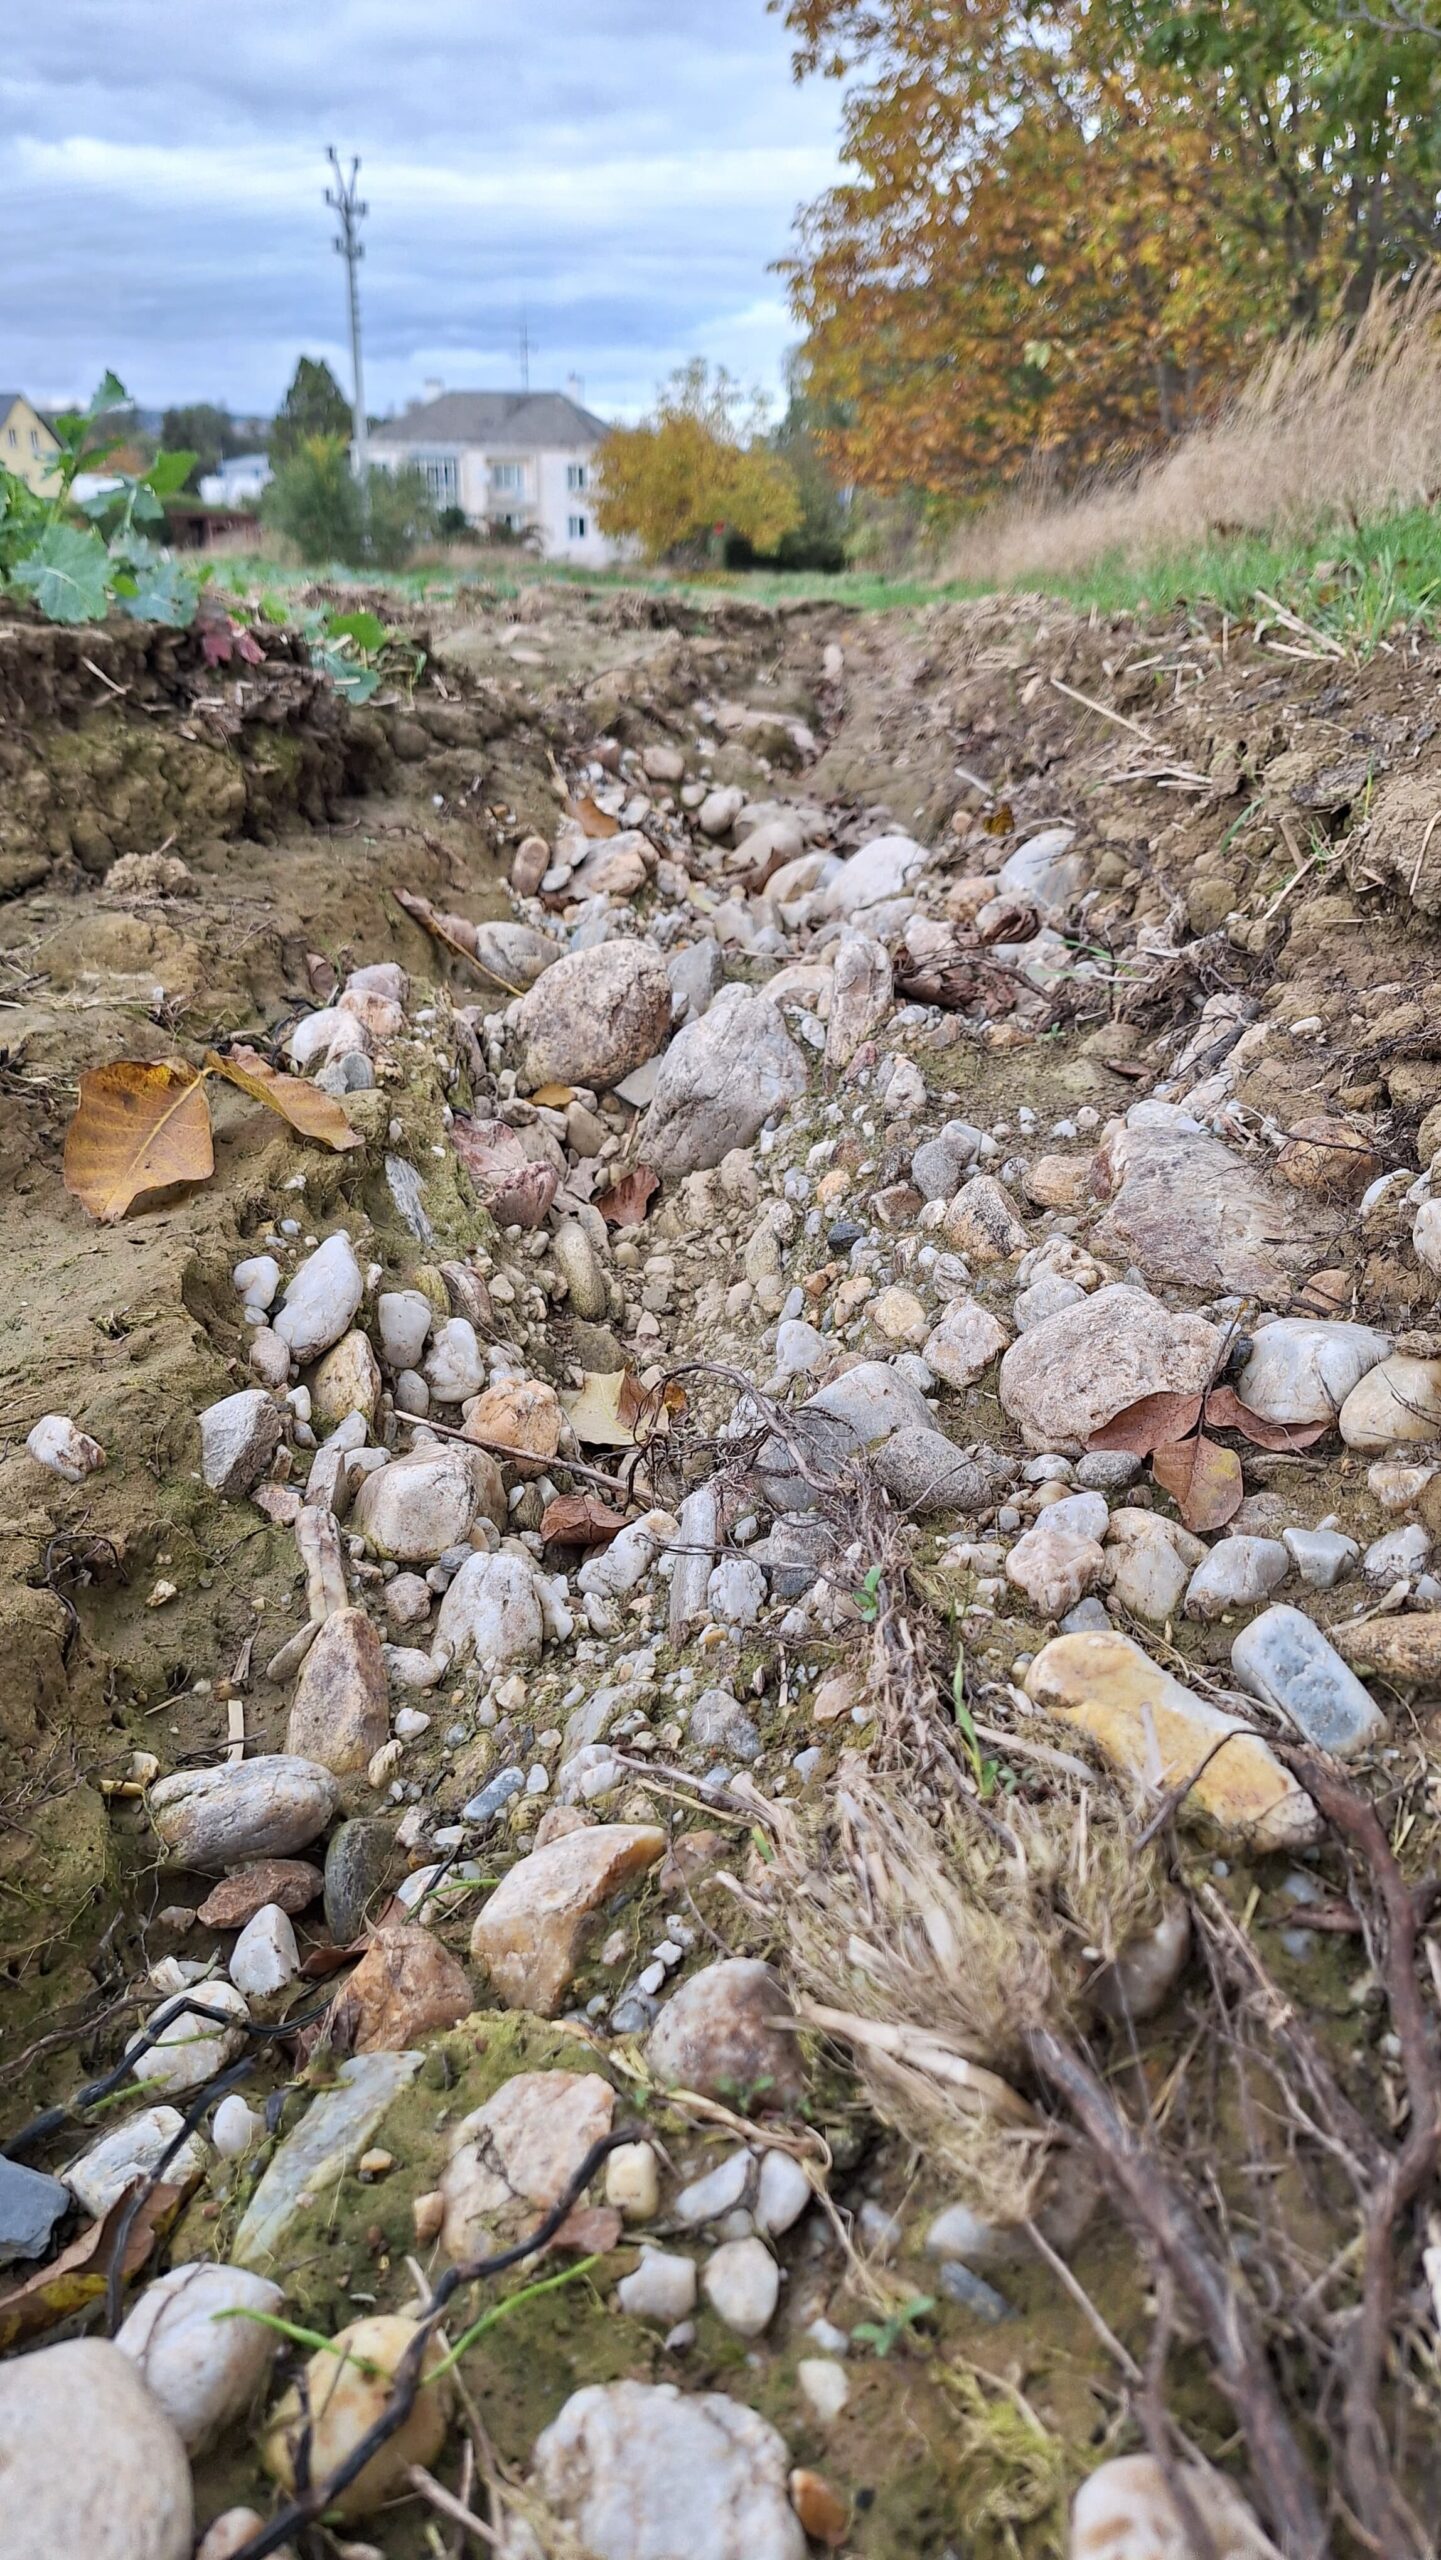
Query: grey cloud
625	170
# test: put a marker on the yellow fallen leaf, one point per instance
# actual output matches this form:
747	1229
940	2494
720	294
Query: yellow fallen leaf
315	1114
137	1127
594	1409
553	1097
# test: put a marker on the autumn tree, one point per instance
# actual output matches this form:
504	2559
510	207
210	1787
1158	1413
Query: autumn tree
695	471
1067	226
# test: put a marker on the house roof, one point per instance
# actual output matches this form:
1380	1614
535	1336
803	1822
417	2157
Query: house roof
7	403
529	420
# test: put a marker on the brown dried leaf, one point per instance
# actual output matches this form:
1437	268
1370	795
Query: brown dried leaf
314	1114
1203	1480
1000	820
592	821
81	2272
1150	1423
626	1202
137	1128
1226	1412
580	1520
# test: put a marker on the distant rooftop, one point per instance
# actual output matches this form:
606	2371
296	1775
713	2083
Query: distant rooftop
527	419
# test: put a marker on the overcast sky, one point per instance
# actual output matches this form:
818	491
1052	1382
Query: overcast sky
623	171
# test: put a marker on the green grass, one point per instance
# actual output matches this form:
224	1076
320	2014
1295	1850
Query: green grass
1358	586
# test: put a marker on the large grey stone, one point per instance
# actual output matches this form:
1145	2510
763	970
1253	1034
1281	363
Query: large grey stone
1303	1371
1068	1375
340	1714
719	1080
190	2339
321	1300
30	2206
595	1015
415	1508
326	2143
1186	1207
644	2471
883	869
492	1611
216	1818
238	1438
923	1471
92	2468
1284	1658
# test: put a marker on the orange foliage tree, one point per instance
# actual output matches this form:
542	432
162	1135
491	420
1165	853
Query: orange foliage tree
1065	227
696	470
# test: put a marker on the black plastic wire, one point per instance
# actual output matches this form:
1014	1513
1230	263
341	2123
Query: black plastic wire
176	2005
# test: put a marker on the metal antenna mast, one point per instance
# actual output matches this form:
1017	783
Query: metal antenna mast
344	201
525	351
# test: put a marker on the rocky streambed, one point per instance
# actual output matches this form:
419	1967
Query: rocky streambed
724	1804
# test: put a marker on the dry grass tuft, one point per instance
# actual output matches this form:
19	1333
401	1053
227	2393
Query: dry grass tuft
1335	429
934	1951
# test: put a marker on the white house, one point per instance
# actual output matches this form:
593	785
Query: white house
239	481
523	459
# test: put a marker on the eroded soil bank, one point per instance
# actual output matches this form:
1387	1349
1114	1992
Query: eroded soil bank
1071	1023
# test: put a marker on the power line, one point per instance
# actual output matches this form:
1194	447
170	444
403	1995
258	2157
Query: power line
344	201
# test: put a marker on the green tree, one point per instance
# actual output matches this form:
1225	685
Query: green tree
201	428
697	471
314	501
314	405
401	515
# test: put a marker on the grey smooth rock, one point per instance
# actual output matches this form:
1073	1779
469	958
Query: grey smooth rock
695	1551
91	2465
644	2471
413	1509
882	869
742	2284
1303	1371
361	1863
1235	1575
1283	1657
719	1080
238	1438
924	1472
189	2339
492	1611
719	1723
30	2206
1322	1557
100	2175
662	2287
328	2140
216	1818
322	1299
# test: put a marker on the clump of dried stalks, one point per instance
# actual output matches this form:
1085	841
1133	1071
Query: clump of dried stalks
935	1951
1336	428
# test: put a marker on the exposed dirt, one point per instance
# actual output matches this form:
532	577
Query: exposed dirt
1257	820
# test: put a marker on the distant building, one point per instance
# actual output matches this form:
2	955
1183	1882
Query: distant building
523	460
27	446
237	482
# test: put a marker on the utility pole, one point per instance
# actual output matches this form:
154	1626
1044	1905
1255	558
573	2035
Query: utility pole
524	351
344	201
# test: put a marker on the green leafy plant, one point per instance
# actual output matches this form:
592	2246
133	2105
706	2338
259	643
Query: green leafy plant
987	1771
359	652
881	2335
868	1597
79	560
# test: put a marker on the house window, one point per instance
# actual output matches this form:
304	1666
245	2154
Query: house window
442	478
576	477
506	475
577	527
34	439
14	434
